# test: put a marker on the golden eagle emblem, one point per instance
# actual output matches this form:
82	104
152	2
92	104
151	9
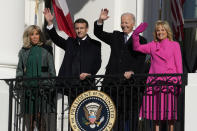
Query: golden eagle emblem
92	114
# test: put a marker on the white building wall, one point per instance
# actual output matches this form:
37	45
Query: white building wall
147	11
91	11
12	26
17	14
190	104
30	6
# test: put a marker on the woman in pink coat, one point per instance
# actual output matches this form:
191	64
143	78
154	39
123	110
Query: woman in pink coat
165	59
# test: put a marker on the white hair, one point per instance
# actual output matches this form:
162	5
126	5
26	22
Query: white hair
132	16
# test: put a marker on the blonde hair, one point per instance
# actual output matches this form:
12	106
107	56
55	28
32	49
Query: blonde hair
166	26
27	33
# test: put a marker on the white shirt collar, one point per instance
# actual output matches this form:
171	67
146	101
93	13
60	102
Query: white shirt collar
84	37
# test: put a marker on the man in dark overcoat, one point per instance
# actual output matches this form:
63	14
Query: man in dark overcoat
82	56
123	61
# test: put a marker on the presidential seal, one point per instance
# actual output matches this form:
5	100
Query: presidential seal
92	111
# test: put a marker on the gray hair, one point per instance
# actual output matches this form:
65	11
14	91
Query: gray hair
132	16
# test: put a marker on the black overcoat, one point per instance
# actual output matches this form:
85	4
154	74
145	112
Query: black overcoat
86	56
123	58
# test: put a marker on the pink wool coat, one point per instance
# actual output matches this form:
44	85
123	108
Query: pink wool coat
165	58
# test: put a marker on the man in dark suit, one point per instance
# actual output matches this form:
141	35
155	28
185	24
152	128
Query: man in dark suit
82	56
123	61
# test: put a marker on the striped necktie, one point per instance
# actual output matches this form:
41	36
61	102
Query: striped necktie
125	38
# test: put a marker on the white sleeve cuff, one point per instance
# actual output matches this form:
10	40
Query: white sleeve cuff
49	27
98	23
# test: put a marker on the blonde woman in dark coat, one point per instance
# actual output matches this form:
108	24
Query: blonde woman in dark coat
35	60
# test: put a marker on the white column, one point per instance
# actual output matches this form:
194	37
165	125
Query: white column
190	104
30	6
12	26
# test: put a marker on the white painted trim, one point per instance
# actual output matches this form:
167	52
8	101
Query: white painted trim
8	66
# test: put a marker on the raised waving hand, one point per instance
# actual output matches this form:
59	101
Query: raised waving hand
48	16
103	15
140	28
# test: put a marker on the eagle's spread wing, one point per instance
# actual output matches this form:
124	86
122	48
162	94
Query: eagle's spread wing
98	114
86	112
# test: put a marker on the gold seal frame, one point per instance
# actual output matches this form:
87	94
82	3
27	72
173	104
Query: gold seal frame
93	93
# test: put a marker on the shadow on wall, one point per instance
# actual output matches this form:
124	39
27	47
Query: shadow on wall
190	8
190	50
76	5
151	15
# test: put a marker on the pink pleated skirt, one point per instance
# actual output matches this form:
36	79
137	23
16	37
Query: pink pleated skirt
159	106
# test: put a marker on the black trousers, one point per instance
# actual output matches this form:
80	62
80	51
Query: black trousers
127	99
73	88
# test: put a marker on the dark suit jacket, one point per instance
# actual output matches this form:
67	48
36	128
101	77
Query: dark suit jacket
123	57
86	55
